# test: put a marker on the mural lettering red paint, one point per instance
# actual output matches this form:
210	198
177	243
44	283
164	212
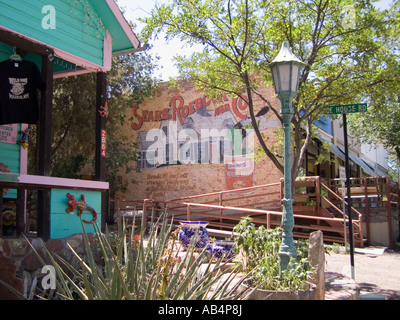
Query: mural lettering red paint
178	110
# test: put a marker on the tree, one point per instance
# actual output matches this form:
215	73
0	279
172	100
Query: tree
340	41
73	145
380	125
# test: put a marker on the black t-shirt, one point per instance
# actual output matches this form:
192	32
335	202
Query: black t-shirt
19	82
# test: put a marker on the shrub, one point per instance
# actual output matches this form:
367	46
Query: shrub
258	251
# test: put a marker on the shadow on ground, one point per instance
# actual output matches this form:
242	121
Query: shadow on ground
374	289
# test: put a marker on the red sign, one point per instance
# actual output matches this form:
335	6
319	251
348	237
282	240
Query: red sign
239	172
103	143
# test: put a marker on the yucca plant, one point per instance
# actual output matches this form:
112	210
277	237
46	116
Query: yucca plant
151	270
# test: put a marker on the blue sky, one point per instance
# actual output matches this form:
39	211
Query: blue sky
141	8
135	9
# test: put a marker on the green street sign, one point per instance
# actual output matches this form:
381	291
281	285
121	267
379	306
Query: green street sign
347	108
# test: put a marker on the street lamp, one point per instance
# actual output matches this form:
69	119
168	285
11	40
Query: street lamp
285	70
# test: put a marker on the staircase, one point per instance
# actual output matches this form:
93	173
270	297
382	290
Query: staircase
310	192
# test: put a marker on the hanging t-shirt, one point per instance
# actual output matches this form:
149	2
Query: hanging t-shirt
19	82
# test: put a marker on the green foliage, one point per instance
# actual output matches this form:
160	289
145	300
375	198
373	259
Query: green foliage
380	124
253	243
73	121
117	268
259	251
68	167
346	46
121	155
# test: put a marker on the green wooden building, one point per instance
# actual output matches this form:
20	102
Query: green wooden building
63	38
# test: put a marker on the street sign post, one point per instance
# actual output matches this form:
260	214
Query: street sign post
342	176
344	110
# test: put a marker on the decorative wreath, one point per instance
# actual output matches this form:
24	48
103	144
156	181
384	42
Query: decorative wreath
4	168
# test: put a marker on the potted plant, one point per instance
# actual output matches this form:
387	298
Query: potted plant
196	230
304	182
258	250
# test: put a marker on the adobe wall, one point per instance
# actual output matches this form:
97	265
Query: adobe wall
172	120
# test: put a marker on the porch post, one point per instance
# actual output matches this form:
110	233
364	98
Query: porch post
389	213
1	207
101	139
46	117
44	159
21	212
101	133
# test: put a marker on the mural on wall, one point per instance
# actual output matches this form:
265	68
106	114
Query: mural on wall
200	131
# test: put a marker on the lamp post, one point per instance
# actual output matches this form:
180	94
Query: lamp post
285	70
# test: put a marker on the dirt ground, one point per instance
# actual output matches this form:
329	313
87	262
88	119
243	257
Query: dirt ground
374	272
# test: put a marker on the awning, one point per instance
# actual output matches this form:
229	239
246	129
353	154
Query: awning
364	165
378	172
336	151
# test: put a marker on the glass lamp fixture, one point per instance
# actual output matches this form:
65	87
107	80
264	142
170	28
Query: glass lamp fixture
286	71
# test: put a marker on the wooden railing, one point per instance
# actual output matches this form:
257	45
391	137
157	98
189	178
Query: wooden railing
375	197
262	196
224	209
358	236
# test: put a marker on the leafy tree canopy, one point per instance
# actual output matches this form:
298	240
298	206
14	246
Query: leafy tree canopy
343	43
380	125
74	105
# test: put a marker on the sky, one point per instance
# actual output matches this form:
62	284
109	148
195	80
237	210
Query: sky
135	9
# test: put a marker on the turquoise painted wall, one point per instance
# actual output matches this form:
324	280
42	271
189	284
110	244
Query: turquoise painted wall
10	156
63	224
78	29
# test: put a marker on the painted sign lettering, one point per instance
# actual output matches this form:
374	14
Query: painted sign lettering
178	110
8	133
103	143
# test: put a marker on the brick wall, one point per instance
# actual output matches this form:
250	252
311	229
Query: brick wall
177	114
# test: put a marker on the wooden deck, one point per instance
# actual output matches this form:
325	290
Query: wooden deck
317	206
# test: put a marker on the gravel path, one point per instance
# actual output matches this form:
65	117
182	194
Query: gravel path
374	273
